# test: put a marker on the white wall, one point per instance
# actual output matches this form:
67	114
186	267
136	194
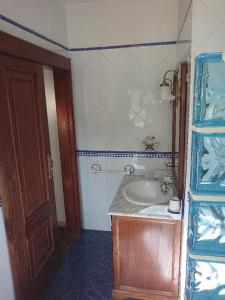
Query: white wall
46	17
54	143
184	33
113	22
208	31
98	190
117	97
6	284
134	94
116	107
116	91
184	37
209	26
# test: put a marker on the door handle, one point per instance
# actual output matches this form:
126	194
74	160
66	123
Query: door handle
50	163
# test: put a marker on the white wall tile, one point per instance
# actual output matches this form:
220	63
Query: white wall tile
98	190
183	6
102	223
216	6
214	43
117	97
185	33
88	222
185	18
116	107
208	33
206	23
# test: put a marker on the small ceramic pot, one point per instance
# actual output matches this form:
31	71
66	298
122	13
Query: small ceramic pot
174	205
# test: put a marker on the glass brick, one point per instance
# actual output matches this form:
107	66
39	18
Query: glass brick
207	228
208	163
206	280
209	91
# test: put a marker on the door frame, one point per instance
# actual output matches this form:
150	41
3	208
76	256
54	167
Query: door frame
16	47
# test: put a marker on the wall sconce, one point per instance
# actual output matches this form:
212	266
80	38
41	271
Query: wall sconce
166	94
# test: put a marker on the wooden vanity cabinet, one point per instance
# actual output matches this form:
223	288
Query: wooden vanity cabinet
146	256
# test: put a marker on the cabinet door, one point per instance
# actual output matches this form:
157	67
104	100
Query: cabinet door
146	255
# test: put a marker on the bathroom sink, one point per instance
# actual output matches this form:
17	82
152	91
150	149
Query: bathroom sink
146	192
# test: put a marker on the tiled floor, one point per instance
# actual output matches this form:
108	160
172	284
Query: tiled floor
86	273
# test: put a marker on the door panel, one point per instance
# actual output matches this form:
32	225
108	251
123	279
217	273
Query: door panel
27	192
40	245
146	257
27	135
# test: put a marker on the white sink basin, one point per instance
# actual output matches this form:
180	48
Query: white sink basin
145	192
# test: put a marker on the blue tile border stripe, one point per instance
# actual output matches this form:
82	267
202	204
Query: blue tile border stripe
184	42
143	154
124	46
31	31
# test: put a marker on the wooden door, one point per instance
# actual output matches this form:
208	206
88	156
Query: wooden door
25	182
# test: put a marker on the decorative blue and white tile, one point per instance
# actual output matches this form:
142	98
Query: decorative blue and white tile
108	153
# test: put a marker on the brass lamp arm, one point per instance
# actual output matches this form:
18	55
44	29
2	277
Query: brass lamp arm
164	82
174	71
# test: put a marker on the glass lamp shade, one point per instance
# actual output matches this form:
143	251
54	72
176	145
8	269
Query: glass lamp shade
166	94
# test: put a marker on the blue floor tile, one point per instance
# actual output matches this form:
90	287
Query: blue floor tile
86	273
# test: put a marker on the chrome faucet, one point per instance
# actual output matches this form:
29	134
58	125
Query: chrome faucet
129	169
169	164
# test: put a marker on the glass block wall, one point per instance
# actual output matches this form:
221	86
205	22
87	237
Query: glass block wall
206	234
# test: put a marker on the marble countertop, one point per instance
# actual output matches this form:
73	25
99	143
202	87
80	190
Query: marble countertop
122	207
